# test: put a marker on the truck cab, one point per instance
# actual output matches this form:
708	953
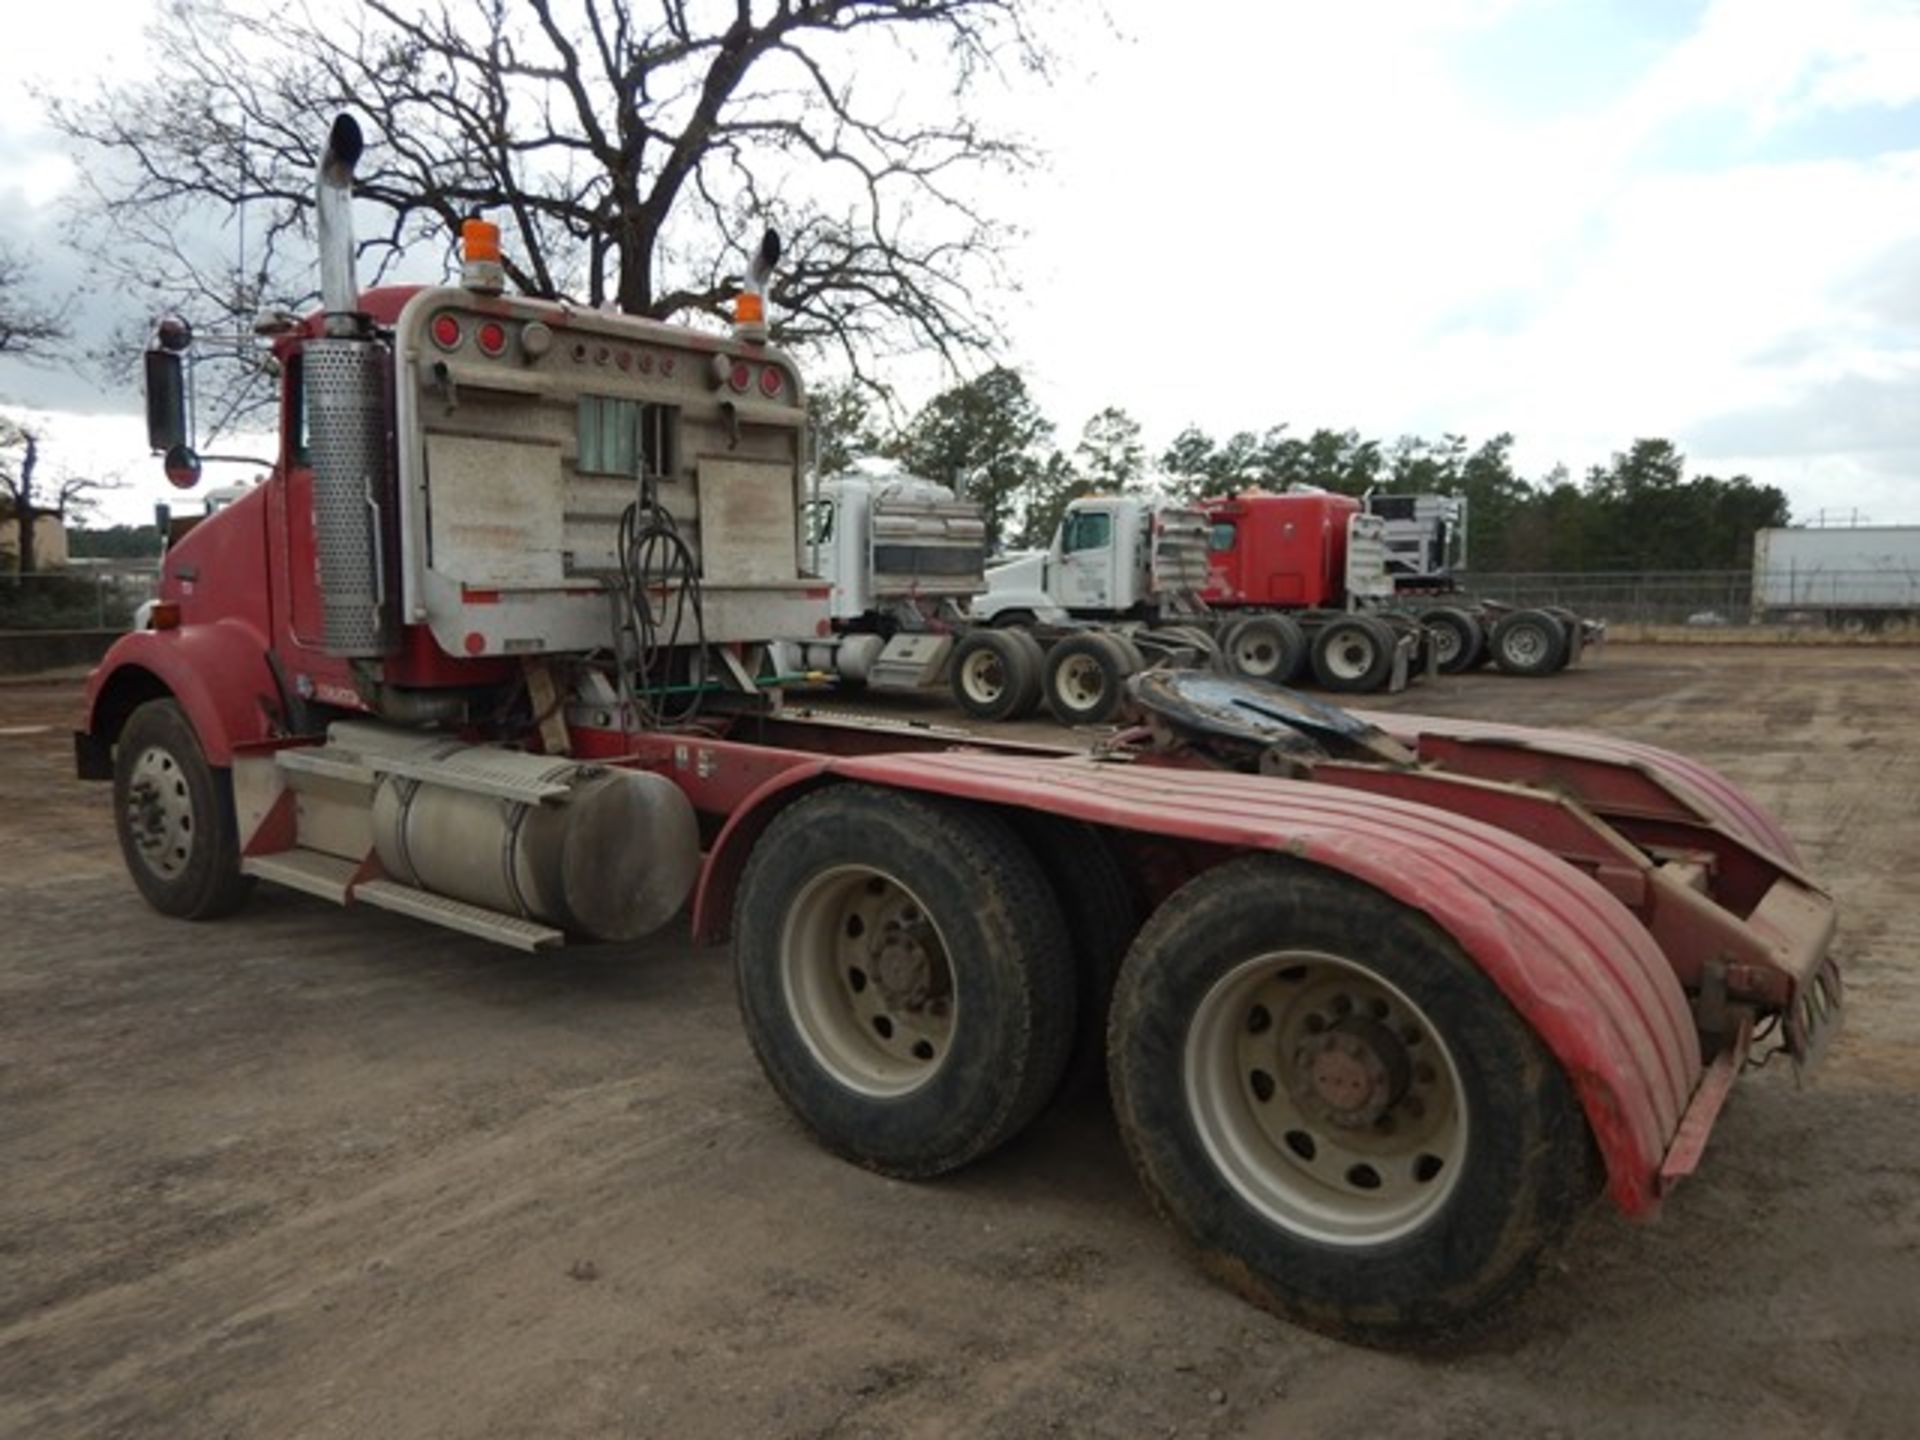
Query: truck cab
1302	550
1112	557
889	539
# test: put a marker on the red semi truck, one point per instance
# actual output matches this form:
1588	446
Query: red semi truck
1383	1003
1311	552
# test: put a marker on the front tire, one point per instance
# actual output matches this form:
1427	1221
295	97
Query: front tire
905	977
1337	1107
174	816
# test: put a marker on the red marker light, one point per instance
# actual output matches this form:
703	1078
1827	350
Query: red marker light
446	331
741	377
492	337
770	381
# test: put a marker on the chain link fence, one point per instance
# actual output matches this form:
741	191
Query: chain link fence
77	597
1679	597
1845	600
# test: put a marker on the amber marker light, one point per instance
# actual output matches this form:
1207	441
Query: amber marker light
479	240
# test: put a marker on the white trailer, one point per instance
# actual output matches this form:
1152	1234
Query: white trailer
1851	575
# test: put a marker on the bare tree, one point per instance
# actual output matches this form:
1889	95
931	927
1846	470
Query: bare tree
26	495
29	327
631	151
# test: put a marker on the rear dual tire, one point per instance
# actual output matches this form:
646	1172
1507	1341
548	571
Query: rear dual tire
1354	654
1086	677
905	977
1530	643
997	674
1272	648
1459	640
1266	994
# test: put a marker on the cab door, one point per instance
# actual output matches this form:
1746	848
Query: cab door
1087	559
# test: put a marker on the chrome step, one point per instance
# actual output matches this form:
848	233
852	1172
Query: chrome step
311	871
458	915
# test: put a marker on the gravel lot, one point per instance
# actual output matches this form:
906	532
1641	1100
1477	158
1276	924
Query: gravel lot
313	1173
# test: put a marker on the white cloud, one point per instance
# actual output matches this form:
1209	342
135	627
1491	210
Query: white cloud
1313	219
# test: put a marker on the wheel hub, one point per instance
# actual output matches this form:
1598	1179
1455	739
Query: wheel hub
868	981
984	679
159	812
903	972
1325	1096
1526	645
1082	681
1351	1075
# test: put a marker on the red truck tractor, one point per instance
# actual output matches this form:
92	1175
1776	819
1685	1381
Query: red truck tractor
1384	1003
1309	554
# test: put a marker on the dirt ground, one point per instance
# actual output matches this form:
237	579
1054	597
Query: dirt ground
313	1173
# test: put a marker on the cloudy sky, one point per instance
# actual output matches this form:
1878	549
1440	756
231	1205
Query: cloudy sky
1579	221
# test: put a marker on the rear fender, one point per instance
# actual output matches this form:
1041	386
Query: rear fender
217	672
1609	776
1568	956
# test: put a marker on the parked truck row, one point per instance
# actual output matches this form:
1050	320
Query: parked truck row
1301	587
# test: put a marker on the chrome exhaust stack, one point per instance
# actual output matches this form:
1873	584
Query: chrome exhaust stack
333	207
346	375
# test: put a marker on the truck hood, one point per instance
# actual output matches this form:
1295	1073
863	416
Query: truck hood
1022	572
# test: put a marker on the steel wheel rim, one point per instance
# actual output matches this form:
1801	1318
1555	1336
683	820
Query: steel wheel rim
1270	1055
983	677
1526	644
1257	654
1081	682
159	812
868	981
1350	655
1446	643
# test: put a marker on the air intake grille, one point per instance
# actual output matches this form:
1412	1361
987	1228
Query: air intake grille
347	437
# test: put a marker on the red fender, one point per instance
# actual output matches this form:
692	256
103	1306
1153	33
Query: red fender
1574	962
218	672
1713	798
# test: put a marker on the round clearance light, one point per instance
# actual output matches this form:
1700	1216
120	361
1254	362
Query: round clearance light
536	338
740	377
492	337
446	332
646	362
770	381
624	359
